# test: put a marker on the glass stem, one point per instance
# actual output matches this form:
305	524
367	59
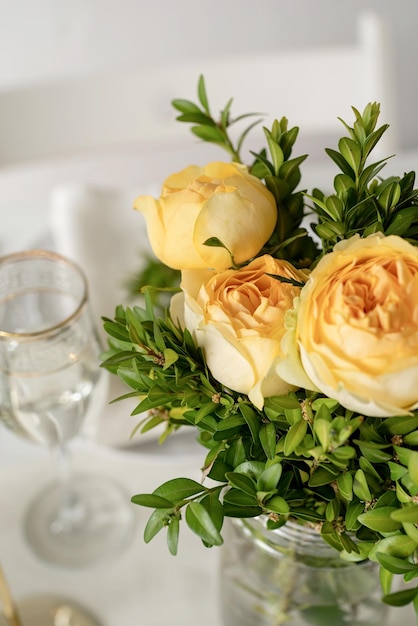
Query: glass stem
71	512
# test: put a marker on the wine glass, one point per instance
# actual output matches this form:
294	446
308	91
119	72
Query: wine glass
50	383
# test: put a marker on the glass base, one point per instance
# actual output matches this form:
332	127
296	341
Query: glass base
45	611
91	523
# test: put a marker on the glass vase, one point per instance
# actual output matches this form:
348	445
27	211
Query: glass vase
291	576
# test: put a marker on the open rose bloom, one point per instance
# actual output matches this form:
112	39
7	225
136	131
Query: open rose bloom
237	318
356	327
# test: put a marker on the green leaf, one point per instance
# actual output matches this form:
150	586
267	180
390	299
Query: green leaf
196	118
396	471
240	498
152	500
277	504
342	183
331	230
275	151
214	508
380	519
408	513
394	564
241	482
401	222
386	579
340	161
156	522
403	454
253	469
295	436
360	486
287	141
325	615
413	467
229	427
225	113
280	403
400	424
251	417
411	530
235	452
201	93
401	598
389	196
185	106
209	133
130	377
368	468
205	410
322	431
268	439
373	139
173	530
170	357
232	510
200	522
322	476
214	242
335	208
290	168
269	479
330	404
177	489
354	509
411	439
116	330
345	485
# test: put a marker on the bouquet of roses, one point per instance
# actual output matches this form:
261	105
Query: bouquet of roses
292	353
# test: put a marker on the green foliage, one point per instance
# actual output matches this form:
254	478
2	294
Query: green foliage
364	203
159	279
303	456
207	128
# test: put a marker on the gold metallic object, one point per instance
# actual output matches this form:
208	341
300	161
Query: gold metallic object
9	607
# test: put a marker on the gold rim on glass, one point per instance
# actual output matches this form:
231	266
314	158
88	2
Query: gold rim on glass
52	256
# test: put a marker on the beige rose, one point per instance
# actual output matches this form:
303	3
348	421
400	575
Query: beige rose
357	326
237	318
220	200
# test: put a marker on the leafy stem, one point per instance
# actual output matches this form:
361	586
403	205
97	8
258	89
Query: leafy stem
364	204
206	127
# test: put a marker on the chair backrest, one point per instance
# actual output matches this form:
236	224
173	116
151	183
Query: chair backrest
312	87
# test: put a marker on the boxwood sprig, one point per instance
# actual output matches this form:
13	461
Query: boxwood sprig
303	456
364	202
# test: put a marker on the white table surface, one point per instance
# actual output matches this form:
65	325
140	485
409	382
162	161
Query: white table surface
144	586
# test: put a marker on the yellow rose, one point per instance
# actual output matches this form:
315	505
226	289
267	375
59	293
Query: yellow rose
357	326
220	200
237	318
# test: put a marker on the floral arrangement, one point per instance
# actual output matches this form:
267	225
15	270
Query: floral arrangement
291	350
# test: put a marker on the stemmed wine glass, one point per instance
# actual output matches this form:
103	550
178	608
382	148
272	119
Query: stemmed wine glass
50	383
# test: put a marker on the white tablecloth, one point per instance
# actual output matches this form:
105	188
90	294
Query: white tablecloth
145	586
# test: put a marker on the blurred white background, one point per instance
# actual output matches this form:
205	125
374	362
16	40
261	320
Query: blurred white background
44	39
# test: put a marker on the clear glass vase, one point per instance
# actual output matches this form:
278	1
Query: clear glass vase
291	576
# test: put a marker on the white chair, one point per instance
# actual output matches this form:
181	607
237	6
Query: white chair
312	87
